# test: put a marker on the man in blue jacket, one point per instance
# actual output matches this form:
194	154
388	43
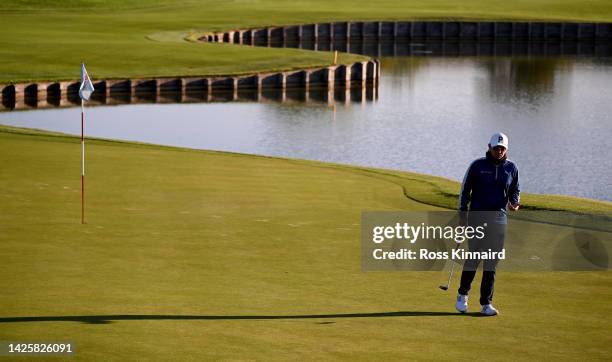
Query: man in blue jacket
490	187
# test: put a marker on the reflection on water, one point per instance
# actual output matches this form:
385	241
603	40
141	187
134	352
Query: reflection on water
532	80
431	114
447	48
507	78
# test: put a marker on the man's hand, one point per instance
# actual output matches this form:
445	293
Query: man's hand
514	207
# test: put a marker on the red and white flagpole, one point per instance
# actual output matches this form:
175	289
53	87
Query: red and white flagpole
82	162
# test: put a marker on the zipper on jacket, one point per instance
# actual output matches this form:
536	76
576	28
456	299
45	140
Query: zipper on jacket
496	167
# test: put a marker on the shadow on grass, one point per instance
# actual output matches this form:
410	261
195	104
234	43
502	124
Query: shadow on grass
105	319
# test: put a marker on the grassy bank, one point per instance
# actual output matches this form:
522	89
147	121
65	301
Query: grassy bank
433	191
212	255
45	40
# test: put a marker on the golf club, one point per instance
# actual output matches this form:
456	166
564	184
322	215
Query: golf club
450	276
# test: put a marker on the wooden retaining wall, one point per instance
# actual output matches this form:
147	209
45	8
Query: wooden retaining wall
331	80
408	30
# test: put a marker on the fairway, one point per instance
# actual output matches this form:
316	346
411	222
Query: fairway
194	255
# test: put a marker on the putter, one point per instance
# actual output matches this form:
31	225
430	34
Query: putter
450	276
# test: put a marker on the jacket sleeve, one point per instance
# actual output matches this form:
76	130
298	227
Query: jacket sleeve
465	195
515	188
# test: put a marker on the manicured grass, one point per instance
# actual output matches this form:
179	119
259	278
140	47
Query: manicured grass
46	40
211	255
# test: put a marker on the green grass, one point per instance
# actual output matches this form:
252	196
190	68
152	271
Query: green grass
196	255
46	40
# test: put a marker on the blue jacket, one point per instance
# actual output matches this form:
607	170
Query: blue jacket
489	184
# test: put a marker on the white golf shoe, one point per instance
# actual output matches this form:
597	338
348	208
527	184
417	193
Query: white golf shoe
488	310
462	303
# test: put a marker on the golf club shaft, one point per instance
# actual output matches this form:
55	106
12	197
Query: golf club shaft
452	268
450	275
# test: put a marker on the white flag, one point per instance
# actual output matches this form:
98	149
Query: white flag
86	88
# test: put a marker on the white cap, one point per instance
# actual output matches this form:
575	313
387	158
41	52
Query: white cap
499	139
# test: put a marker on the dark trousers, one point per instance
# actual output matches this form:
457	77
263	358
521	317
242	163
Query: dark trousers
486	285
494	241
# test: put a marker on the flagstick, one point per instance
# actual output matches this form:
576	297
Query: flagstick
82	163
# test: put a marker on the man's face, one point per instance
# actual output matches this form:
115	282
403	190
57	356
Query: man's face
498	152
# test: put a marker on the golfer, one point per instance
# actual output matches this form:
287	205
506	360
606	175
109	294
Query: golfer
490	187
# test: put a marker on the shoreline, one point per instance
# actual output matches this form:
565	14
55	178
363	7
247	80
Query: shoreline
330	78
432	190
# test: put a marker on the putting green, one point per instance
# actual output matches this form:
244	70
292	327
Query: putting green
46	40
210	255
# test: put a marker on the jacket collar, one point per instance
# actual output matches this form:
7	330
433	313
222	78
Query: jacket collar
495	161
